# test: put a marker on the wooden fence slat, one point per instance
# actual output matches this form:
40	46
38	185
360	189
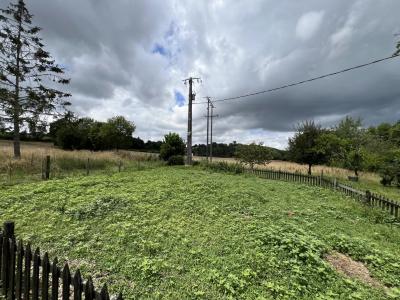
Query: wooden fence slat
77	285
66	282
4	263
27	273
1	252
119	296
11	271
35	274
89	289
45	277
104	293
55	275
19	274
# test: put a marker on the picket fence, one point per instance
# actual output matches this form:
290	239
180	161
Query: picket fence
26	275
366	197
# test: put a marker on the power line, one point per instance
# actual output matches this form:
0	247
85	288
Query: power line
304	81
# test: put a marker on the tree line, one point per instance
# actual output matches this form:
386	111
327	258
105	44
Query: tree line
230	150
349	145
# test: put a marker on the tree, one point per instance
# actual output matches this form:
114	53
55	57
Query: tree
172	145
65	120
303	147
332	147
253	154
137	143
25	68
117	133
352	134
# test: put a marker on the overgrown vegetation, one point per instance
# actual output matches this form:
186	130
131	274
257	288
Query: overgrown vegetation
67	163
72	133
173	149
349	145
178	233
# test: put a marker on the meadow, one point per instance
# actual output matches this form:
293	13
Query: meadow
66	163
188	233
367	180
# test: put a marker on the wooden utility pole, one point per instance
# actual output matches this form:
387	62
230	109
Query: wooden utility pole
191	98
212	116
208	126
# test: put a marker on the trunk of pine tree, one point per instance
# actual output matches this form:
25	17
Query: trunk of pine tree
309	169
17	108
17	143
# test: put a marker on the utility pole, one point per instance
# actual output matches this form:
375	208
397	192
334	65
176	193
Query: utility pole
208	126
212	116
191	98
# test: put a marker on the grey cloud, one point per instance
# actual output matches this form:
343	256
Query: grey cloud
236	47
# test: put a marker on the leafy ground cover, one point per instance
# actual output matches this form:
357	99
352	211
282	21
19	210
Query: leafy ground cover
180	233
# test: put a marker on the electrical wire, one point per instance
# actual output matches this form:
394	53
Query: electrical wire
303	81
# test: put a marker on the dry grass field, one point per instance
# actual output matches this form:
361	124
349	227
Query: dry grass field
63	162
316	170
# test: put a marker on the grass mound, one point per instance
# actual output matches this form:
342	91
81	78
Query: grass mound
179	233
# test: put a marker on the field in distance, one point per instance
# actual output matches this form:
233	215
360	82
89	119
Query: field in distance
66	163
367	180
179	233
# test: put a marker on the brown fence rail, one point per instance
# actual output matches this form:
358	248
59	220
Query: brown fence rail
366	197
28	275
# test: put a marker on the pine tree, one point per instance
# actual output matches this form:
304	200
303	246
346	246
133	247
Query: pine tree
28	74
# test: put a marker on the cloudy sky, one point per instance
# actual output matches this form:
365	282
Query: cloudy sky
128	57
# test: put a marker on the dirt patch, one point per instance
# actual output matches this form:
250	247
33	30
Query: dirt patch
351	268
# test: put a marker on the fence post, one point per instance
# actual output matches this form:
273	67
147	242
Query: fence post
9	227
4	265
8	233
55	275
35	274
47	168
87	166
66	282
119	165
368	197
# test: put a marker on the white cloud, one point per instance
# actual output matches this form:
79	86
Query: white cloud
309	24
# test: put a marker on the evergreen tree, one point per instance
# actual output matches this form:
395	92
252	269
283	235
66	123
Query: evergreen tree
27	72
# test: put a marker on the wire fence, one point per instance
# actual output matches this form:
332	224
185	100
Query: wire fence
43	167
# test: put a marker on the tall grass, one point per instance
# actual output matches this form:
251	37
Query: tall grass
292	167
66	163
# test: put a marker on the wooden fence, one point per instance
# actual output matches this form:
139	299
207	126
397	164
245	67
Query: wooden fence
366	197
28	275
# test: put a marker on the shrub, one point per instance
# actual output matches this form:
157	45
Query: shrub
172	145
176	160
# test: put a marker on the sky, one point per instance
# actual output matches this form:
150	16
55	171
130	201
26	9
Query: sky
129	57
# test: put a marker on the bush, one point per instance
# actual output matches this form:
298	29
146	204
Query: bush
176	160
172	145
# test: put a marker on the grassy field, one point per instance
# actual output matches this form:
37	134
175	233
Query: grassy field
367	180
66	163
186	233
